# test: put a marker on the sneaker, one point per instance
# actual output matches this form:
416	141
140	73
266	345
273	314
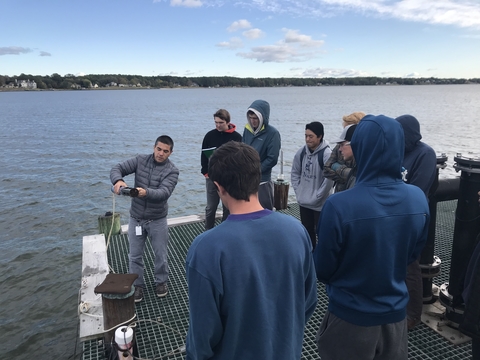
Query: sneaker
161	290
138	294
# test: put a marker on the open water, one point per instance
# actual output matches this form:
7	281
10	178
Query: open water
57	149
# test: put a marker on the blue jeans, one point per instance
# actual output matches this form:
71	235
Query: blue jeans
213	200
157	231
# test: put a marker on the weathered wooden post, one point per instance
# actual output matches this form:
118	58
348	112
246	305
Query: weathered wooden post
105	224
118	303
280	189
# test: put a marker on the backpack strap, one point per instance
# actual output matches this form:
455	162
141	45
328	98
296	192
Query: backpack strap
319	157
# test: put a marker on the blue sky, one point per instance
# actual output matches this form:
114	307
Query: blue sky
245	38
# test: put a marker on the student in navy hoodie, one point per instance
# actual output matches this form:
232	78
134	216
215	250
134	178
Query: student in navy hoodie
367	236
470	325
420	164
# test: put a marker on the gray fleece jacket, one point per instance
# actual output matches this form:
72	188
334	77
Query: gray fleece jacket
158	179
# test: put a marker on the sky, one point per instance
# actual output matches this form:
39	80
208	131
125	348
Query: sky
244	38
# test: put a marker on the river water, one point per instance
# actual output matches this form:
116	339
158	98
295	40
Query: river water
58	148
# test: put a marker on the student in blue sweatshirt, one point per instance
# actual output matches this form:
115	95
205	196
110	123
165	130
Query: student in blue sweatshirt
367	237
251	280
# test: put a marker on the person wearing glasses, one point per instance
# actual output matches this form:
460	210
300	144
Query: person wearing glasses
224	132
337	168
345	149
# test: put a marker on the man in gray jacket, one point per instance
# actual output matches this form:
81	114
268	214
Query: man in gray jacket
311	188
155	179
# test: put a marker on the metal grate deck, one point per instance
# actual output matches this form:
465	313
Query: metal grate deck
163	323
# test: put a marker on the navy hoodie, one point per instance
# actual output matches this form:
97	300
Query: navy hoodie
420	160
367	235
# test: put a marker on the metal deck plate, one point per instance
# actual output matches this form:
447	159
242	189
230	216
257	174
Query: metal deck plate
156	340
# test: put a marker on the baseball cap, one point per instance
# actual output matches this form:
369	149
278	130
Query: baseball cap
346	134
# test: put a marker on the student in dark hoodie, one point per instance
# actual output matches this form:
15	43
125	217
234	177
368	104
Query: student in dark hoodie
470	325
367	236
224	132
420	164
266	140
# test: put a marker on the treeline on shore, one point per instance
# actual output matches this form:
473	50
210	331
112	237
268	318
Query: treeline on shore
70	81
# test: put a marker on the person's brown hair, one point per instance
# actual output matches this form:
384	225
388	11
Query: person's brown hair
222	114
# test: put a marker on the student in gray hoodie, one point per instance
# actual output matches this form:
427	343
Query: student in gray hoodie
311	187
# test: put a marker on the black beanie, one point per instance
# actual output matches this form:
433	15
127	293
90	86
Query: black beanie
316	127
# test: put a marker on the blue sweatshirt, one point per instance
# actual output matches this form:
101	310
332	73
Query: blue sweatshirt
252	288
367	235
420	161
265	138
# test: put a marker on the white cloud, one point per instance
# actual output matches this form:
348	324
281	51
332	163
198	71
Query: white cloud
234	43
186	3
294	47
239	25
335	73
44	53
293	36
80	74
14	50
461	13
279	53
253	33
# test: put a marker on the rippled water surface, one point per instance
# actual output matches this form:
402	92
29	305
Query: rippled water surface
58	148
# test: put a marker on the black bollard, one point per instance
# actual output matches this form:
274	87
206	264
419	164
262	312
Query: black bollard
429	263
467	226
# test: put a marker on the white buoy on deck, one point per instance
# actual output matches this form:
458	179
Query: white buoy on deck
124	341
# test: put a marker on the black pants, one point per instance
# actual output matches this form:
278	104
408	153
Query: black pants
309	219
475	349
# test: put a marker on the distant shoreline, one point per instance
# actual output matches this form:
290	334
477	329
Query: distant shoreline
117	88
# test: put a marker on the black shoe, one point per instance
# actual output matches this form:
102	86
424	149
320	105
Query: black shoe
138	294
161	290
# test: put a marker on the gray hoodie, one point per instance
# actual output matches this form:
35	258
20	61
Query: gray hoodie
311	188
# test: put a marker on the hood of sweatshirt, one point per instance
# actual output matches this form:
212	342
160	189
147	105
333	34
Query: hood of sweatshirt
261	108
378	146
231	129
411	129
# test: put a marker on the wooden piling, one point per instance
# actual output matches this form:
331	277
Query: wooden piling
105	224
280	194
117	309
